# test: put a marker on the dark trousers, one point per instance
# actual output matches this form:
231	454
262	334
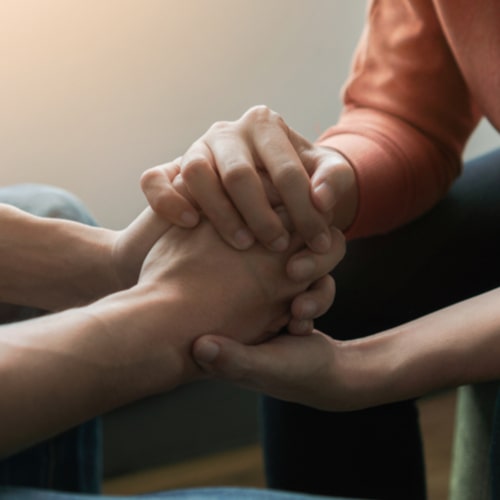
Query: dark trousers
447	255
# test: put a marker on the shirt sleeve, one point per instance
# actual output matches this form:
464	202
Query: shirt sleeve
407	116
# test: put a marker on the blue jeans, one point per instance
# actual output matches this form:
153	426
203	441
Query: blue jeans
187	494
447	255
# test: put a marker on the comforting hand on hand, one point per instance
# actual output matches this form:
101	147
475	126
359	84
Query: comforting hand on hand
245	295
238	172
220	173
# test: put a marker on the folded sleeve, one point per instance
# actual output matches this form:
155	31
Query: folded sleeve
406	118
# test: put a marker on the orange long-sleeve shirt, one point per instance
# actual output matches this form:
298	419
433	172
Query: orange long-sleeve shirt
424	73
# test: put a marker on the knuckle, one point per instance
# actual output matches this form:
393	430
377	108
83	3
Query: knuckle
148	177
220	127
237	174
259	110
192	168
161	201
288	176
262	113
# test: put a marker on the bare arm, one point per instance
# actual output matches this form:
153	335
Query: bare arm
54	264
456	345
61	369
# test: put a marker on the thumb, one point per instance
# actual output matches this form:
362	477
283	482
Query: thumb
229	360
145	230
333	177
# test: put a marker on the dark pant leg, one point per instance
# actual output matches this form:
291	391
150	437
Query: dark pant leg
495	451
71	461
447	255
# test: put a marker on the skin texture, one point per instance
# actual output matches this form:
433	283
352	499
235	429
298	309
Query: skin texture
132	303
37	272
227	171
239	174
453	346
245	168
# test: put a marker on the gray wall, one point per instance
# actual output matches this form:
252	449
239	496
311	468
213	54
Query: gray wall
95	91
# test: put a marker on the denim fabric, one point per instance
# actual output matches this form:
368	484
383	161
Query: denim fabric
71	461
447	255
495	451
46	201
188	494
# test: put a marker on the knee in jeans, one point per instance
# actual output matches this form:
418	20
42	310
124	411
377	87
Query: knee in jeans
46	201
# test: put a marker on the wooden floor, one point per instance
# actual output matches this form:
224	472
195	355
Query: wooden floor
243	467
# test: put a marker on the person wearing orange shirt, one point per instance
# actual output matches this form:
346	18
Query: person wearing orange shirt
417	307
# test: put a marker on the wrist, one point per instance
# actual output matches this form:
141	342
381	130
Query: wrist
90	360
148	332
369	367
94	273
53	264
404	362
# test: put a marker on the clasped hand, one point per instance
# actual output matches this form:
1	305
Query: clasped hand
238	175
242	295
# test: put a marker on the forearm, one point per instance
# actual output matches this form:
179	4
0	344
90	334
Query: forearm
451	347
51	263
62	369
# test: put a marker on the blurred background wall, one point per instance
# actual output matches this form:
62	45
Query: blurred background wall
93	92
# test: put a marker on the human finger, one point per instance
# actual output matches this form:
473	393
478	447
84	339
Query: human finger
292	183
225	358
203	183
334	187
165	199
315	301
300	326
246	190
288	367
307	265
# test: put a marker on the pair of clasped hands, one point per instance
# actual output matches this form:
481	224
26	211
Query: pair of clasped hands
260	185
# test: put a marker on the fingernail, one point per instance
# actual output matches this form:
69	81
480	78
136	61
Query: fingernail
279	244
206	351
321	243
303	268
189	219
243	239
324	195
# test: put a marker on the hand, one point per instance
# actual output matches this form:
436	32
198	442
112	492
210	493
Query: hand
222	175
128	248
308	370
246	295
